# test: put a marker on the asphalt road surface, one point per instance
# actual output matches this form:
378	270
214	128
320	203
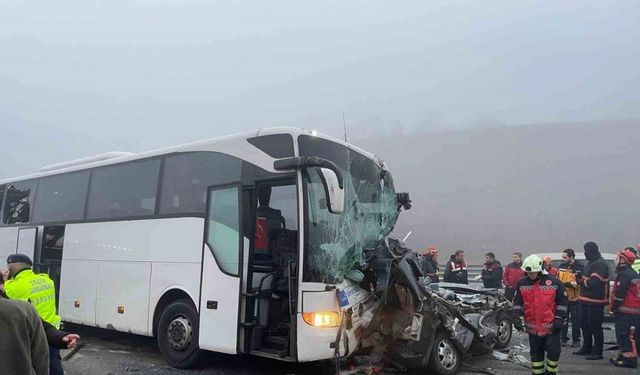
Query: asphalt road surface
108	352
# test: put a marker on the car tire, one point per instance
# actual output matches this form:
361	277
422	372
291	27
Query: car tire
445	357
177	334
505	331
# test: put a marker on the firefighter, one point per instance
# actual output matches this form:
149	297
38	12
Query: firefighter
38	289
567	275
430	264
625	307
636	264
512	274
548	266
542	301
594	287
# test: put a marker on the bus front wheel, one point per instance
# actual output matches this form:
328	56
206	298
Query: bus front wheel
177	334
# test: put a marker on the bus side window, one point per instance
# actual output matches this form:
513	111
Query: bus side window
223	228
18	203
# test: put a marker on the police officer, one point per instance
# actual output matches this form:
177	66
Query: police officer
24	284
542	301
430	264
625	306
594	286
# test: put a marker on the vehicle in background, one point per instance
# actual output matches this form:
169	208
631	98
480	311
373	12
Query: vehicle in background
608	257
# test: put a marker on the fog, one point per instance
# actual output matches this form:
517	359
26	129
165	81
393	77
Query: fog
79	78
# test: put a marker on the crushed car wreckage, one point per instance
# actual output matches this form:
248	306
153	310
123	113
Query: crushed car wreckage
390	311
393	314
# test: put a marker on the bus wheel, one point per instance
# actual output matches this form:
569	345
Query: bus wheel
177	334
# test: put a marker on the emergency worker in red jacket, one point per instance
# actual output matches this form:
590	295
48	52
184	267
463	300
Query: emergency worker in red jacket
512	274
548	266
542	301
625	307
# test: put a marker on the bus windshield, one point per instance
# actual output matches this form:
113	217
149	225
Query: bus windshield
334	243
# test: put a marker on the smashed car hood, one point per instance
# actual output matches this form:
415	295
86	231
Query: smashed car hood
393	312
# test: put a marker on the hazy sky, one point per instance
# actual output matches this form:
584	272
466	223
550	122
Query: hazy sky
79	78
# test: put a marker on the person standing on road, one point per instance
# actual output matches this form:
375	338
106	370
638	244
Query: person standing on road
512	274
23	344
594	287
625	308
567	275
456	270
636	264
492	272
429	262
55	337
25	285
548	266
542	301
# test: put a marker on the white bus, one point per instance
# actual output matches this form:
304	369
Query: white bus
232	245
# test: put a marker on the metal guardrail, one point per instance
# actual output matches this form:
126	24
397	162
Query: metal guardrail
472	271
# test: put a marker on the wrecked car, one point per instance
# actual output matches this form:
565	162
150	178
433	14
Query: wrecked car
388	310
395	316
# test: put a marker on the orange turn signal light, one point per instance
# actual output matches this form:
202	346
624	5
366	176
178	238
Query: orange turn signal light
322	318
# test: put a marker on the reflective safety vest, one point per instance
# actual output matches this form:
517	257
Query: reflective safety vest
631	303
539	305
567	275
636	265
39	290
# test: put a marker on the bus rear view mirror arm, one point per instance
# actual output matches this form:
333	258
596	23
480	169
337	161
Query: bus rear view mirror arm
308	162
330	174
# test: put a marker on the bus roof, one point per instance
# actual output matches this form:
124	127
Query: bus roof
225	144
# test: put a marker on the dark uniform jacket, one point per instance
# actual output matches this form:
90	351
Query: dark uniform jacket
23	345
430	268
595	283
492	275
456	272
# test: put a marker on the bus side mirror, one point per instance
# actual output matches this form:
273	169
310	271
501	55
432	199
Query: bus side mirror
330	174
335	193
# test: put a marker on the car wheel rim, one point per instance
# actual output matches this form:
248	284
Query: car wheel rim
446	355
179	333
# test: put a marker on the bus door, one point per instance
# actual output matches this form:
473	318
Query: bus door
221	270
271	284
27	238
49	258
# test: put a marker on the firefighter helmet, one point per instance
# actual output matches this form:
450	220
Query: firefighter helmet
532	263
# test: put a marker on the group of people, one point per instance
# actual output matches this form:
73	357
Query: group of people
30	326
546	300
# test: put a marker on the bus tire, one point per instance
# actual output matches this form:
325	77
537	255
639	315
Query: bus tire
177	334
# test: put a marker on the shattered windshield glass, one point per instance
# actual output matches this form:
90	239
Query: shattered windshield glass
334	243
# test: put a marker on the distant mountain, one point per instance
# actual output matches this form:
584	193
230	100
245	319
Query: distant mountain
532	188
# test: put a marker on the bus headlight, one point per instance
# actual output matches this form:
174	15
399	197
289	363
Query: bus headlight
322	318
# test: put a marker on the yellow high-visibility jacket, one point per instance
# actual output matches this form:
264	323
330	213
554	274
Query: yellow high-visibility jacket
39	290
567	275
